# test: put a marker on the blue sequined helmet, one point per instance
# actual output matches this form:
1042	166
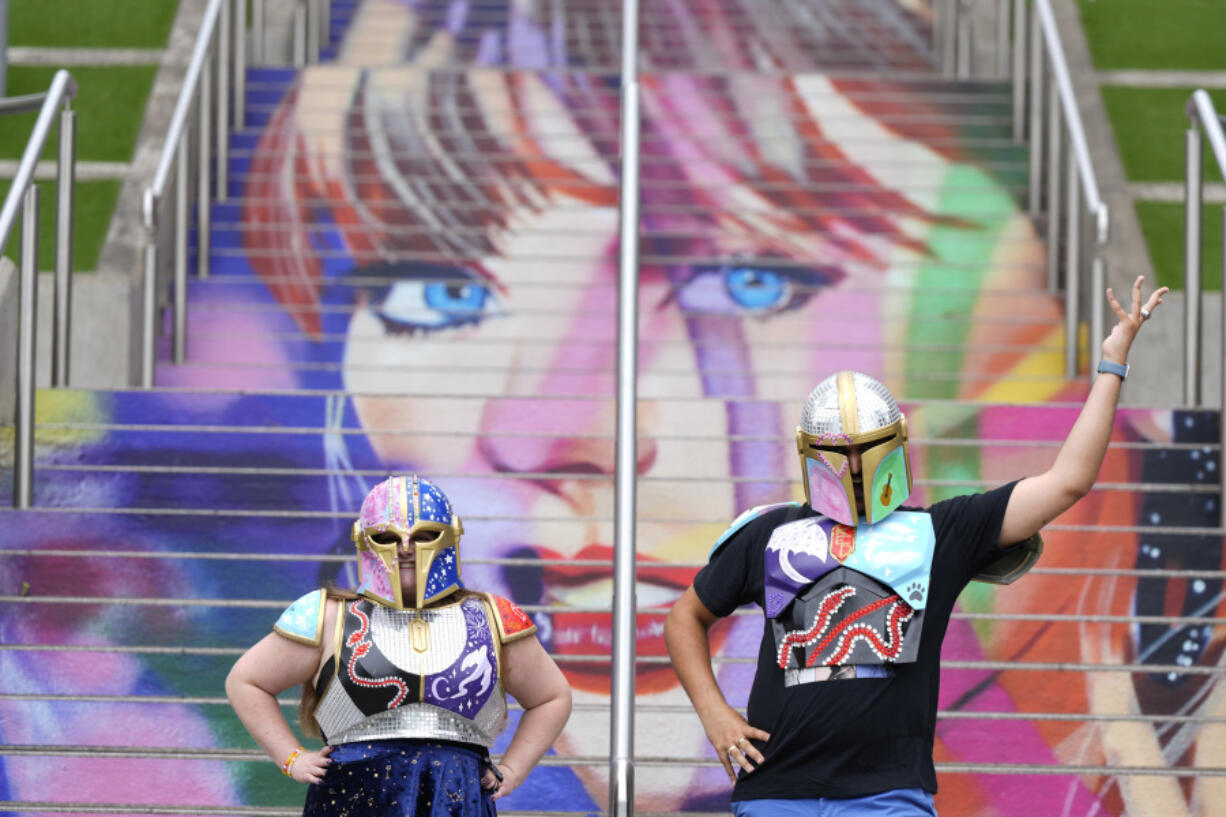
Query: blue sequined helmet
404	511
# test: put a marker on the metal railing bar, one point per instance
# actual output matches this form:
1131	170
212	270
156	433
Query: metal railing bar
27	336
621	761
595	609
1080	151
658	612
182	110
916	442
315	558
22	104
252	755
667	709
657	660
65	187
582	519
971	405
670	208
22	197
222	57
529	476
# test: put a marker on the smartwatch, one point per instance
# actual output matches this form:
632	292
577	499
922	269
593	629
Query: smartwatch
1114	368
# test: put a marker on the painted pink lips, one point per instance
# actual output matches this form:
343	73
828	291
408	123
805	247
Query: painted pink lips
592	633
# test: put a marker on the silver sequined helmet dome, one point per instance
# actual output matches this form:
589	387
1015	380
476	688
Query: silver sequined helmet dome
875	407
852	409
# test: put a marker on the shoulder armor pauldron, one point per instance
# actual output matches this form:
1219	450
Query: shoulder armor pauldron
303	621
743	520
511	620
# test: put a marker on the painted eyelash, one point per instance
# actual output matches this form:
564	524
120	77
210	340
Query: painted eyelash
391	326
812	280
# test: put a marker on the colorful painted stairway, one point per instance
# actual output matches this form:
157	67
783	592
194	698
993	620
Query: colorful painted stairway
416	271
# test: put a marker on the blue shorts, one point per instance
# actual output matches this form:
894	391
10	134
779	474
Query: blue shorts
895	803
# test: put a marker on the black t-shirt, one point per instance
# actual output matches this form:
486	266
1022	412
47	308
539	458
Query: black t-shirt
862	736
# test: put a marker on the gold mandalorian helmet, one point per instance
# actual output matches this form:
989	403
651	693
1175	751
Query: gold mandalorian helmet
395	512
850	408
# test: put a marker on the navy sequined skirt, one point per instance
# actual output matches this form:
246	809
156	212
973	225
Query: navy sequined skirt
404	778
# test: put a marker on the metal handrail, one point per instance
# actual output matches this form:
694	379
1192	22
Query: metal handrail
23	195
621	713
1202	115
1063	188
213	96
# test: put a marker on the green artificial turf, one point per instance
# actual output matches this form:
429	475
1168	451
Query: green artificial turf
1162	224
91	23
110	105
1149	125
1156	34
92	208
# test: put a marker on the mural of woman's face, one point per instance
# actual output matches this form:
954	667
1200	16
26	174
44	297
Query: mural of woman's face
742	310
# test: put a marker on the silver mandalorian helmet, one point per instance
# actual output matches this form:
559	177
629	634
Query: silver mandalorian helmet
850	408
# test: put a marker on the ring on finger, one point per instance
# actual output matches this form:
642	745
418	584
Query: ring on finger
730	750
1144	314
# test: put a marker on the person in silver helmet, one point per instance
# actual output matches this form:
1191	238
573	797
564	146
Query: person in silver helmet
405	678
857	590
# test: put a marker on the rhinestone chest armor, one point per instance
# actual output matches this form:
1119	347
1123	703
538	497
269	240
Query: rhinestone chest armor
429	673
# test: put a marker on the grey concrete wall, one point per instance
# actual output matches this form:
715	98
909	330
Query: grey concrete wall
101	340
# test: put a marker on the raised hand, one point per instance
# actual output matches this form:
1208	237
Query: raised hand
1117	344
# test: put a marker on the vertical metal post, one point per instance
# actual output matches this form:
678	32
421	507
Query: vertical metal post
1072	273
964	41
257	32
4	44
1019	70
1002	39
299	38
225	33
1098	329
312	31
149	308
949	36
1036	115
1221	468
27	332
203	200
621	732
1193	196
61	314
180	230
240	64
1054	142
325	26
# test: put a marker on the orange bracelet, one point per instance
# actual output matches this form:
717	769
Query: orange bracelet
287	768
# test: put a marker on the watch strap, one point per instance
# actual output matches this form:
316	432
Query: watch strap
1114	368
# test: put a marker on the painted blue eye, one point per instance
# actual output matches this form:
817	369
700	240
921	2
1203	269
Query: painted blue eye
456	297
421	306
757	289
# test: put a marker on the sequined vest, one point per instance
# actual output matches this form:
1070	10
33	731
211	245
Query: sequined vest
843	601
430	673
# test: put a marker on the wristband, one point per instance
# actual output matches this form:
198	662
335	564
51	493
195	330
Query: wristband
1114	368
287	768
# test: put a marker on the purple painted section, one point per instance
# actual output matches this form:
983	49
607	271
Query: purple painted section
467	684
798	555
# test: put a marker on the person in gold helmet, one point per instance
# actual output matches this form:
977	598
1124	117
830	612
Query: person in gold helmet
857	591
406	678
